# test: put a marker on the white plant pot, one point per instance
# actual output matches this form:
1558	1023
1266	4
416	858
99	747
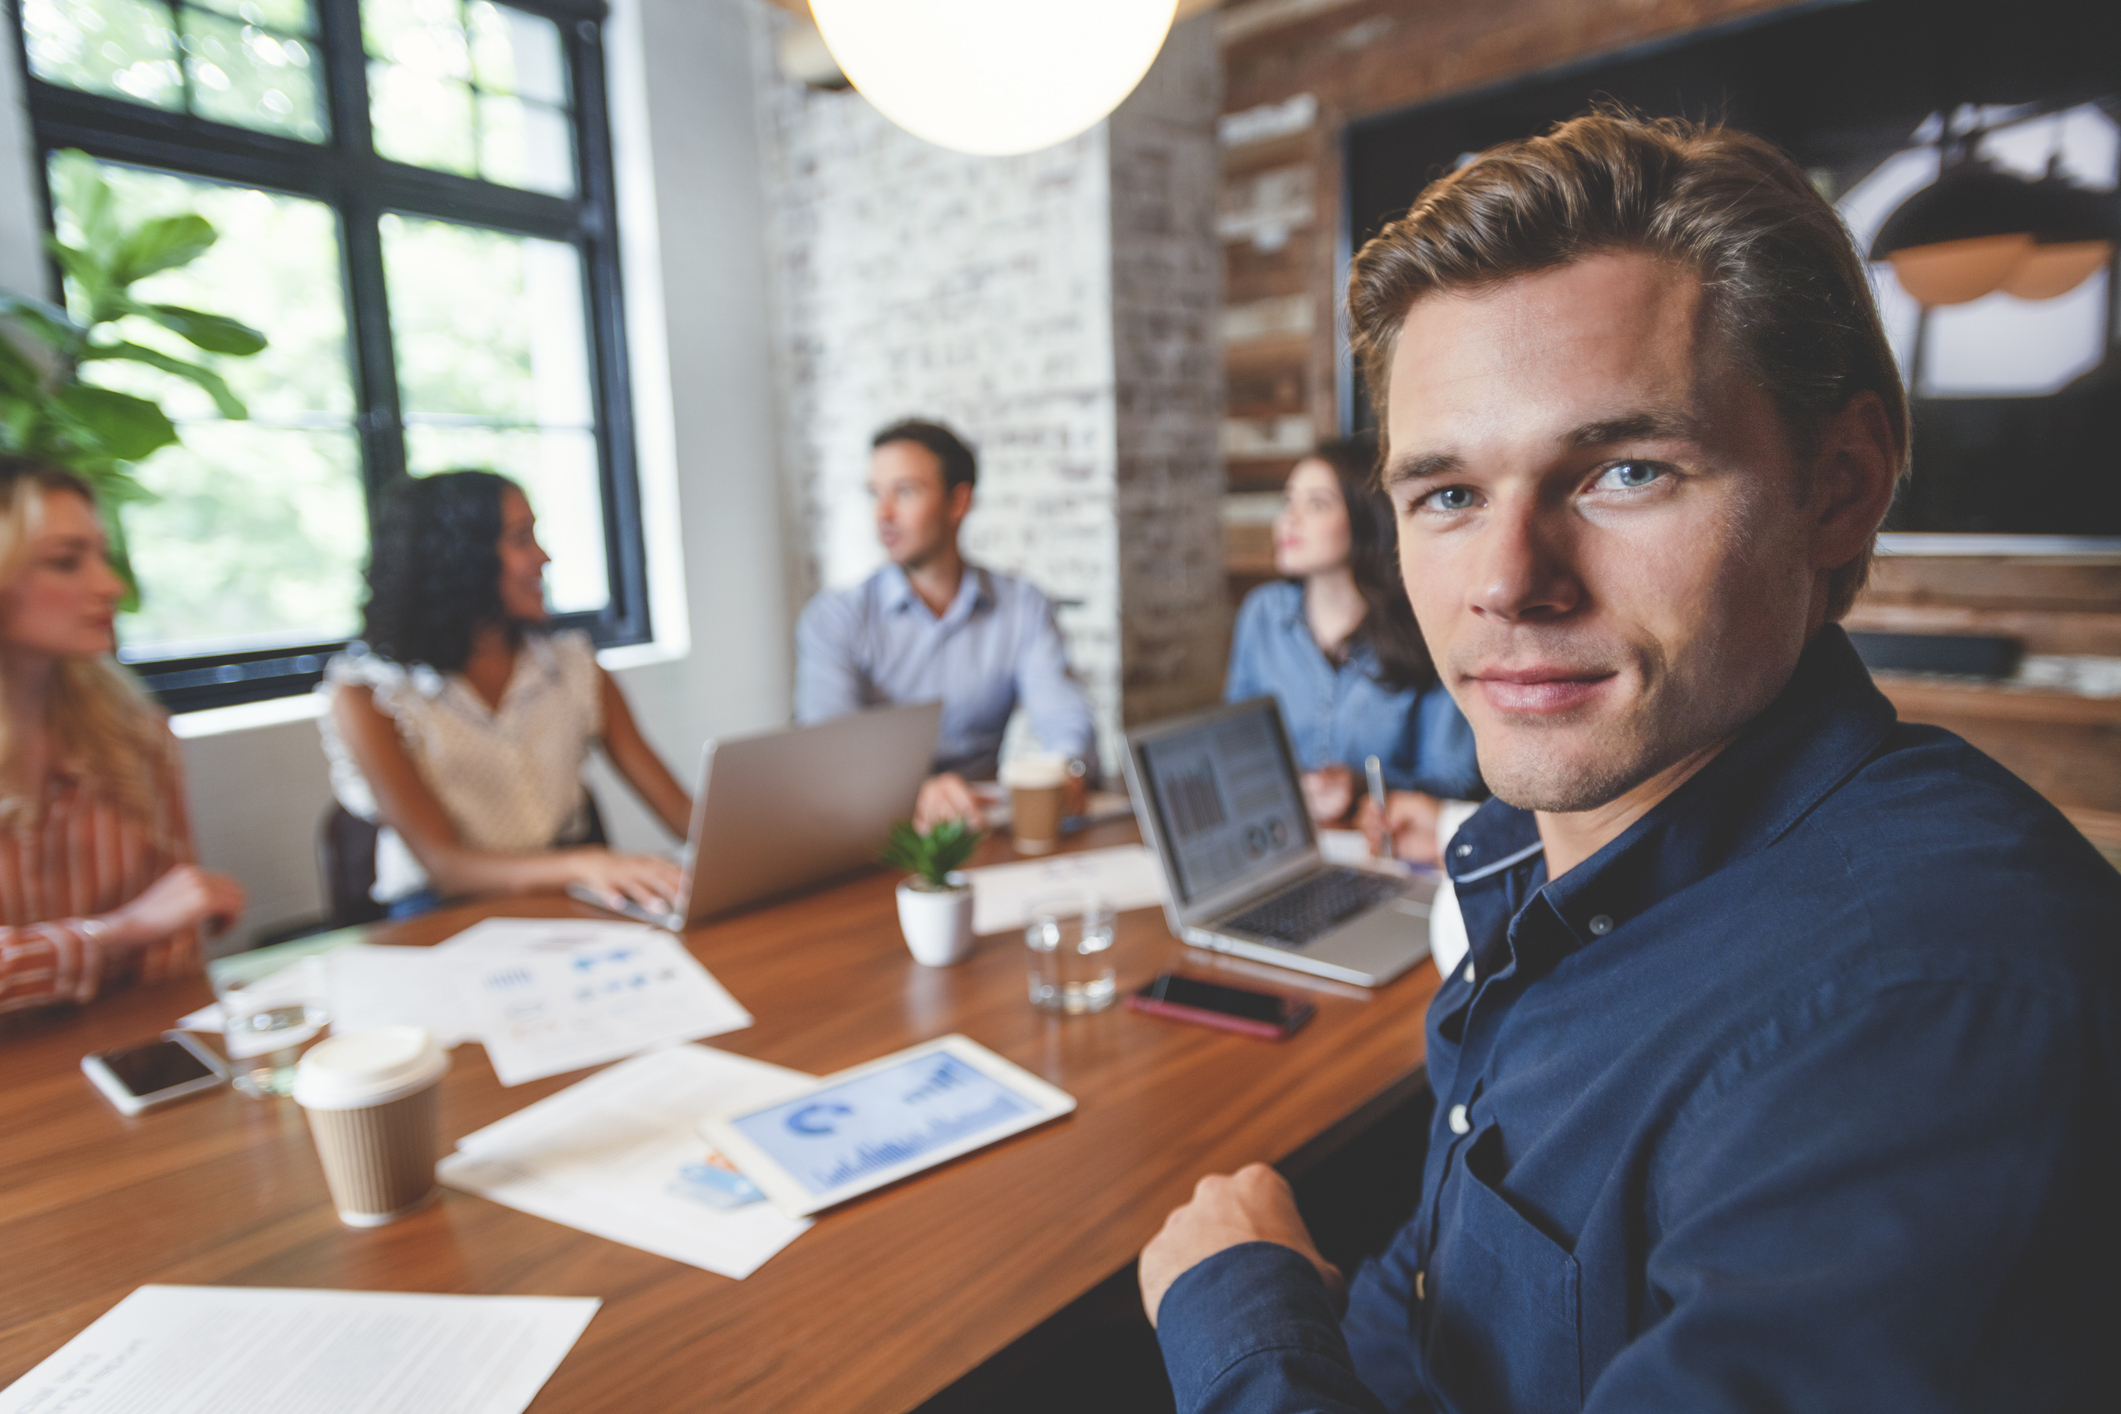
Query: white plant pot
937	924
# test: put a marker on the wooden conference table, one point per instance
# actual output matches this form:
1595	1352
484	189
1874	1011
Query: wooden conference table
883	1303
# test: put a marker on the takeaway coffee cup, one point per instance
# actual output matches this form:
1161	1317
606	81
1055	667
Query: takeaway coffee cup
371	1101
1037	785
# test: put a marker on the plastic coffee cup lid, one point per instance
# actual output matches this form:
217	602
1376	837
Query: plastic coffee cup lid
1035	771
361	1068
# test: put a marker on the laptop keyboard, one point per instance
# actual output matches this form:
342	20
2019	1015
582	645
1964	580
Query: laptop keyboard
1313	908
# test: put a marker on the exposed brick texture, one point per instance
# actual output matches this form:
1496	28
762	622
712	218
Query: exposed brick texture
1060	310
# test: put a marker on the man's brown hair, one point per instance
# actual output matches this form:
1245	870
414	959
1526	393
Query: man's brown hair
1786	285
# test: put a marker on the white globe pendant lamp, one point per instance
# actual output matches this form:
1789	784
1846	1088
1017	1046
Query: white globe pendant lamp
994	76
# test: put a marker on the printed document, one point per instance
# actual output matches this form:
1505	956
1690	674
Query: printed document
1003	895
547	995
221	1350
620	1155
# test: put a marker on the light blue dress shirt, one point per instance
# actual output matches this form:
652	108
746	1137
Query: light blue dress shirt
995	646
1344	713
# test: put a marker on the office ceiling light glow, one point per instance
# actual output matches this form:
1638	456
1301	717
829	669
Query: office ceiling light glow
994	76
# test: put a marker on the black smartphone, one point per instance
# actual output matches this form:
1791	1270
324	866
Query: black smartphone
141	1077
1271	1015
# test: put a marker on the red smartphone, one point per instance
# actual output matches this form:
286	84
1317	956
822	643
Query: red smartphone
1270	1015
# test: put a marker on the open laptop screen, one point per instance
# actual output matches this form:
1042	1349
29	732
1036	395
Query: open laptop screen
1227	799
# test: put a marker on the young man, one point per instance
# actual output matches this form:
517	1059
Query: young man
928	625
1785	1070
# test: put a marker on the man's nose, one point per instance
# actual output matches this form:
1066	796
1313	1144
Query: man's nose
1525	564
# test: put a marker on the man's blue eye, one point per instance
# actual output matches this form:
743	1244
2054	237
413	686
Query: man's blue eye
1633	474
1452	498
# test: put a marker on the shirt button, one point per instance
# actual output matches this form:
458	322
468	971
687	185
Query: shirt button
1458	1121
1464	850
1469	972
1601	925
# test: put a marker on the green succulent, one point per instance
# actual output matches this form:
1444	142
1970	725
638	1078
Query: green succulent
47	411
932	856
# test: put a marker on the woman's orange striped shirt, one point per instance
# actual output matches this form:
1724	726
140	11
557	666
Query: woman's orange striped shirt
83	857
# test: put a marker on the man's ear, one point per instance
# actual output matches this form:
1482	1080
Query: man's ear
1853	480
958	504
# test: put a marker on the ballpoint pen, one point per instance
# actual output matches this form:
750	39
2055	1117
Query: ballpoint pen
1374	769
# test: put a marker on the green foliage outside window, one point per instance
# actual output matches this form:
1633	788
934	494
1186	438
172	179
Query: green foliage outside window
48	410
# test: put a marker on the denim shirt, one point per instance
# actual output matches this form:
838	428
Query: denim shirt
996	646
1344	713
1803	1093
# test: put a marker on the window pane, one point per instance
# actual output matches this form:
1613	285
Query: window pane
421	120
512	52
241	74
123	48
286	16
525	145
261	529
257	540
493	371
558	471
423	35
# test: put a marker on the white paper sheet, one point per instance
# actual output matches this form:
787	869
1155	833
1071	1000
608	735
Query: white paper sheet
547	995
1125	876
373	986
620	1155
246	1350
368	985
1350	848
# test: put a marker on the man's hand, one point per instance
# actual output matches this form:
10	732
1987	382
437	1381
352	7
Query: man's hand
1252	1205
946	797
1411	817
1329	792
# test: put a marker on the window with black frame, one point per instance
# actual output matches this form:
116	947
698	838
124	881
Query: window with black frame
414	204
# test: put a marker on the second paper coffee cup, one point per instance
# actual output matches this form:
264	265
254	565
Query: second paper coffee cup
371	1101
1037	786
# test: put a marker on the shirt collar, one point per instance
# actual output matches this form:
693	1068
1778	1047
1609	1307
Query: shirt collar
1823	726
1298	628
974	590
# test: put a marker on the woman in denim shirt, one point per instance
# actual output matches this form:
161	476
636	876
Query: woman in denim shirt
1335	643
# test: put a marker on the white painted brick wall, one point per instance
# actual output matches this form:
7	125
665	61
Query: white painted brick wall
912	281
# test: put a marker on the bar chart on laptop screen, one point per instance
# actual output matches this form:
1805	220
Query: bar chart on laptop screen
1229	799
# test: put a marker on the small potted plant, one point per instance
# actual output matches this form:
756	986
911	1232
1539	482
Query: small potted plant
934	913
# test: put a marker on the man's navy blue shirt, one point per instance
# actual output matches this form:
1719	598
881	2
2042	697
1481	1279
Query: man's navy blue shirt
1803	1093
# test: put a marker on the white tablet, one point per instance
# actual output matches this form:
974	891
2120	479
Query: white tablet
877	1123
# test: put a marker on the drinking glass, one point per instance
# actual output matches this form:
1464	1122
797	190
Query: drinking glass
1070	948
270	1010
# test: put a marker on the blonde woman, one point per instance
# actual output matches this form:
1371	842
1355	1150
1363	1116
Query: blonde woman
97	886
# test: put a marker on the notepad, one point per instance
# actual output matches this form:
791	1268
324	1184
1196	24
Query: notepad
212	1349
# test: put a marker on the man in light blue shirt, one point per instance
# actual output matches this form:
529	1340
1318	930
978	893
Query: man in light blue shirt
928	625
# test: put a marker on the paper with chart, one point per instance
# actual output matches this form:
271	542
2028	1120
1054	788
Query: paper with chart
548	995
218	1349
620	1155
1124	876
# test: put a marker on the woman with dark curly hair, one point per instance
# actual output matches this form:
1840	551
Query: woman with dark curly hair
1335	643
460	723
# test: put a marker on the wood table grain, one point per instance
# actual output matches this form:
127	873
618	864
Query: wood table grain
883	1303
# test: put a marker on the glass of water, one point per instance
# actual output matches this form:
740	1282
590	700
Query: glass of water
1070	947
270	1011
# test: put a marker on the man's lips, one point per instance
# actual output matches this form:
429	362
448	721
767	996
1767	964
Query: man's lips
1540	689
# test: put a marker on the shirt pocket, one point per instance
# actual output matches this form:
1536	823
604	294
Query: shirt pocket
1504	1328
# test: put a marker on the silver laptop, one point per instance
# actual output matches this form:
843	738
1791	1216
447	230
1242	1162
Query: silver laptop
1220	800
783	809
